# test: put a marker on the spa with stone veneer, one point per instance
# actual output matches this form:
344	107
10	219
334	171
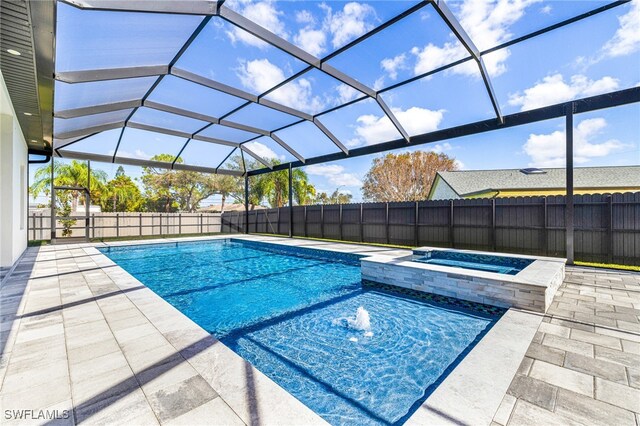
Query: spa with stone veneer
505	280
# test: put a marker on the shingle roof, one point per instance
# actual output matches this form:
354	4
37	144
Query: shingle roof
466	182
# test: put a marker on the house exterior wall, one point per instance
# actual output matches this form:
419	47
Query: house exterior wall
442	191
14	170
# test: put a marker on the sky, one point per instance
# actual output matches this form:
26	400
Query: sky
596	55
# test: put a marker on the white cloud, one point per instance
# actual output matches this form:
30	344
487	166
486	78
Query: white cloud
304	17
263	151
487	23
459	165
546	9
263	13
346	94
440	148
261	75
349	23
372	129
334	174
392	65
553	89
548	150
312	41
626	40
138	153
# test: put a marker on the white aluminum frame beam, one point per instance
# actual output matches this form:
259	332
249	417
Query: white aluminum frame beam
182	7
145	163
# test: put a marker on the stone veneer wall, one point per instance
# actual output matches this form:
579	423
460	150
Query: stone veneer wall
505	294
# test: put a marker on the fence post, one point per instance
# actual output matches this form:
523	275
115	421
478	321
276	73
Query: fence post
494	243
93	225
305	221
179	223
386	222
201	217
321	220
340	222
278	225
361	224
160	223
34	225
610	227
417	225
140	215
451	230
117	224
41	226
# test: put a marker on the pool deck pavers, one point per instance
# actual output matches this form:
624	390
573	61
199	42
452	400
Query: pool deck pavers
583	365
86	342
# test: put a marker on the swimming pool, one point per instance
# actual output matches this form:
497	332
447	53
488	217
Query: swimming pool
292	314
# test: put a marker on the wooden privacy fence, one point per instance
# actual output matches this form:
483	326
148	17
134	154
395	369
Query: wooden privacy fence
606	230
128	224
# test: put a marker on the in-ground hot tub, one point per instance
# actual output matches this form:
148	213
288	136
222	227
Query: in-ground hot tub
505	280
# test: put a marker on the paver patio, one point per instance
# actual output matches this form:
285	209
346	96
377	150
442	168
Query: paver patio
79	334
583	366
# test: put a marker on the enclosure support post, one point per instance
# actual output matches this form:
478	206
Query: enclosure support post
53	204
569	171
290	201
246	204
87	202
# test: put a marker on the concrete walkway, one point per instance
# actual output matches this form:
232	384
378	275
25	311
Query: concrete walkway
82	341
583	366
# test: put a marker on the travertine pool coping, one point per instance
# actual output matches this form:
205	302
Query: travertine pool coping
470	394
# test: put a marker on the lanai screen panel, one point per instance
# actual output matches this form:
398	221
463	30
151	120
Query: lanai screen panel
199	83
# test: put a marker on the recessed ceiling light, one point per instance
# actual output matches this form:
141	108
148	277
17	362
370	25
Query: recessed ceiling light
27	113
14	52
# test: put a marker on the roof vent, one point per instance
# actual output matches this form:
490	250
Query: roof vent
533	171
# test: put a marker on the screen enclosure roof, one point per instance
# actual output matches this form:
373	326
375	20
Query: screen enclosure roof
237	87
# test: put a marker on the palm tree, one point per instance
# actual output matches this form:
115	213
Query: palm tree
74	174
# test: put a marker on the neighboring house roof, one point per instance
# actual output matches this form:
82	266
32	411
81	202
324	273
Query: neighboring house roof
467	182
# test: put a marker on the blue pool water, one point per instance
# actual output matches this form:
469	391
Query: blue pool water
480	262
289	314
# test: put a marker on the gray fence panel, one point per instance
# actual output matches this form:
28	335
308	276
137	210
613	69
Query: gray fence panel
607	227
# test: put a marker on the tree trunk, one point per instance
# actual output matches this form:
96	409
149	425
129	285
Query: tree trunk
224	197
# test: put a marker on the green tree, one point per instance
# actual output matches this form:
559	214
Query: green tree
404	177
336	197
121	195
76	174
176	190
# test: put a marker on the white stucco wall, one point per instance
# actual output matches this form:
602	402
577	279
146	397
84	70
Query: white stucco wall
14	170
